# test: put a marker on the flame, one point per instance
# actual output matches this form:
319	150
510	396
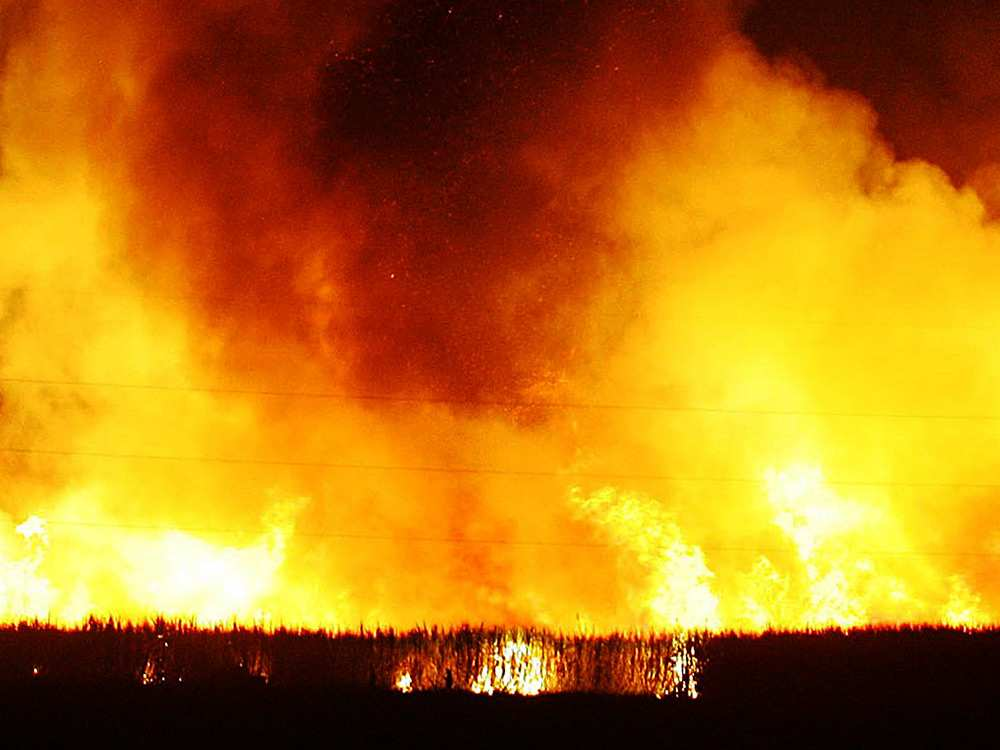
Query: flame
517	661
161	573
686	667
842	573
814	518
963	609
688	348
514	666
679	593
404	682
24	594
183	576
33	528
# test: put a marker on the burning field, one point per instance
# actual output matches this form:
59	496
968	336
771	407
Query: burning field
606	327
160	681
483	661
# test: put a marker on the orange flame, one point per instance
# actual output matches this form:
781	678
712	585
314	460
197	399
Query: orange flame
596	387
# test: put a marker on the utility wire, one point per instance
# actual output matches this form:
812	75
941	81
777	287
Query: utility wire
501	403
473	470
495	542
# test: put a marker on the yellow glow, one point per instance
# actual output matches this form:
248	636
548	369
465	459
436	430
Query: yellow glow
515	666
779	407
404	682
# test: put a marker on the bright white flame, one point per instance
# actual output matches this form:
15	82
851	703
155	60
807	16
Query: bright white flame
404	683
33	527
517	667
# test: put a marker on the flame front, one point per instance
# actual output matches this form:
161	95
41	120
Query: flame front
516	667
143	574
282	342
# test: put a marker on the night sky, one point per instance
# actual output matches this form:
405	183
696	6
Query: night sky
929	68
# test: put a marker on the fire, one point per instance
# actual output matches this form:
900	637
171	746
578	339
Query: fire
33	528
813	518
686	666
183	576
528	662
283	342
679	593
24	594
404	682
160	573
515	666
841	573
964	606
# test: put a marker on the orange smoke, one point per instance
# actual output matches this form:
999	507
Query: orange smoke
307	320
927	70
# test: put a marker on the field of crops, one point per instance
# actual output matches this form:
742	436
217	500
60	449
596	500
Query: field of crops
479	660
136	682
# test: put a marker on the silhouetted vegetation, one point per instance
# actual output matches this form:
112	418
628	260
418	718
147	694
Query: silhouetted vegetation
478	659
928	685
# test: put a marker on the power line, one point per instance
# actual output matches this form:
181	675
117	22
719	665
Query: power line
501	403
475	470
499	542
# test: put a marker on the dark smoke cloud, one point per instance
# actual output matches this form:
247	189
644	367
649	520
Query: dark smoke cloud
429	187
16	20
929	68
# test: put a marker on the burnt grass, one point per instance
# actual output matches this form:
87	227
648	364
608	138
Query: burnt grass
925	686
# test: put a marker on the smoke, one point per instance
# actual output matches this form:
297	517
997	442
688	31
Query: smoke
420	206
925	67
364	298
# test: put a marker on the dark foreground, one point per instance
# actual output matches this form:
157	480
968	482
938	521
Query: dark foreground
924	687
259	716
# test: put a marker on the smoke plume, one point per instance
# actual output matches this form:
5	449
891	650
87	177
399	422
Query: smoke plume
570	314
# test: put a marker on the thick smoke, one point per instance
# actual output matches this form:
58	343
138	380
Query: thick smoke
422	206
377	300
927	67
